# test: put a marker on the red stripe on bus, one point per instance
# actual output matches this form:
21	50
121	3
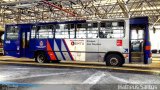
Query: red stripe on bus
50	53
148	48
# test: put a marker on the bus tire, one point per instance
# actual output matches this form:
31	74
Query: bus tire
41	57
114	60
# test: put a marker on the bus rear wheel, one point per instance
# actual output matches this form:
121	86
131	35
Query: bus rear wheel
114	60
41	58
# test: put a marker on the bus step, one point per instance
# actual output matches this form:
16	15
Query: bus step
136	59
137	54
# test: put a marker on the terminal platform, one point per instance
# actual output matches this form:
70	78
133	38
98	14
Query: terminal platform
153	68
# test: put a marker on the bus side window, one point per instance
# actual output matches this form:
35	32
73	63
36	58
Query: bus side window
37	31
61	31
92	30
72	31
51	31
81	30
104	30
33	32
101	35
111	29
65	31
44	31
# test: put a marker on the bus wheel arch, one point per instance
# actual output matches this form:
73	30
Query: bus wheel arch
40	56
114	59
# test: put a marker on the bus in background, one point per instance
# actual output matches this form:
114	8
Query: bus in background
114	41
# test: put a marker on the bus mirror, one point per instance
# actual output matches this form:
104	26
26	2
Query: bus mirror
154	30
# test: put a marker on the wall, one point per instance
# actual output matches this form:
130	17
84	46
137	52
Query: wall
155	39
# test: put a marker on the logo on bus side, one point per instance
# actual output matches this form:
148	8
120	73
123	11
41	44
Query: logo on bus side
41	45
77	42
119	43
72	43
125	50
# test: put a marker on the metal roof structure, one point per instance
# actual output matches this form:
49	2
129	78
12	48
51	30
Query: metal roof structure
24	11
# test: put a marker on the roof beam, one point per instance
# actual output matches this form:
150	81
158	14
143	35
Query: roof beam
58	7
124	8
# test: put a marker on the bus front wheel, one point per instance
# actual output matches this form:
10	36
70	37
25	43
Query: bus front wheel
114	60
41	58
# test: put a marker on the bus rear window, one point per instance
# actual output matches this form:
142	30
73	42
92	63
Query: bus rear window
12	32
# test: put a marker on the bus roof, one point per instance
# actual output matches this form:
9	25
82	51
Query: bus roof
136	20
42	23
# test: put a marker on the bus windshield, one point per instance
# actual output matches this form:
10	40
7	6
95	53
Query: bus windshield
12	32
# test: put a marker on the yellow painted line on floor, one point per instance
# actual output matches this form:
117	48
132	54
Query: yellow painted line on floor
19	60
155	63
90	64
98	64
7	58
85	66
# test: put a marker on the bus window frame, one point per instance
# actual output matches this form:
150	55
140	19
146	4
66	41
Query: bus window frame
70	26
81	26
51	26
34	33
124	29
75	30
68	30
98	29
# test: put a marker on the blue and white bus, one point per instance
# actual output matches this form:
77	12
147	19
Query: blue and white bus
113	41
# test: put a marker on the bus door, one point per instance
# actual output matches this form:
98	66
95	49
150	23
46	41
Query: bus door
140	47
24	40
137	43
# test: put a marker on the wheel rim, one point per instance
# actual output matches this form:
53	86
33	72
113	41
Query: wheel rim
41	58
113	61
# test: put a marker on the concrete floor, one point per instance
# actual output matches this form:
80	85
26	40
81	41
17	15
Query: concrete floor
64	79
27	75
